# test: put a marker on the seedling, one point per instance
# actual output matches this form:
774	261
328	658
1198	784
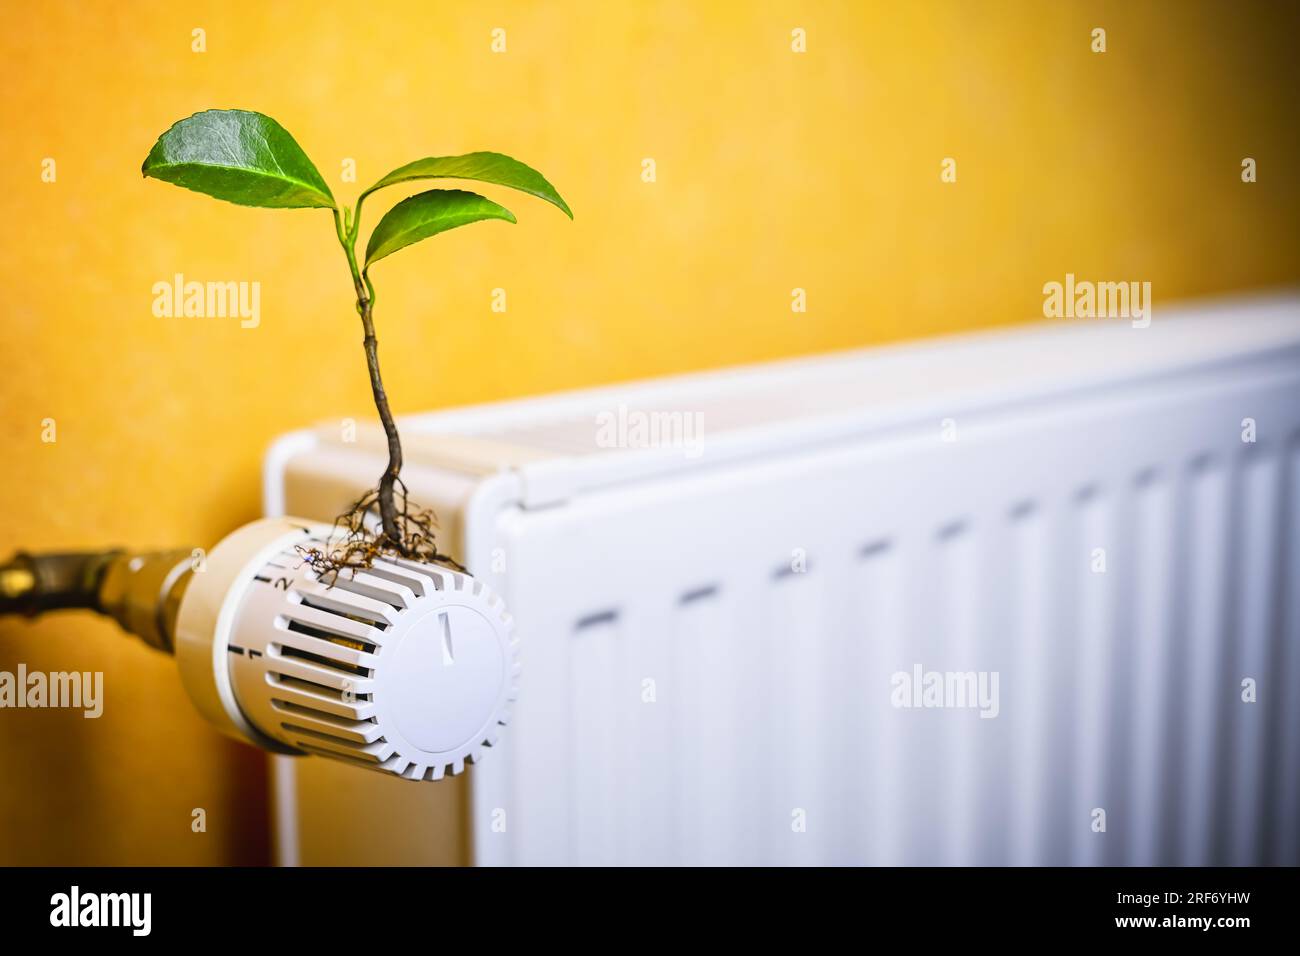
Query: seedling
251	160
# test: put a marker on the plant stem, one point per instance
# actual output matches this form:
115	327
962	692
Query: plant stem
365	308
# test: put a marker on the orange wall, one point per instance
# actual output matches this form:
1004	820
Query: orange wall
775	170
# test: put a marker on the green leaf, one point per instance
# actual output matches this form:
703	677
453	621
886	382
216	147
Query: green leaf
427	214
482	167
238	156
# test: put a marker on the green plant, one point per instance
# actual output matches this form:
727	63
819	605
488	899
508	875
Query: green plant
249	159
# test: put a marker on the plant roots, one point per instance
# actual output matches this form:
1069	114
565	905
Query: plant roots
362	539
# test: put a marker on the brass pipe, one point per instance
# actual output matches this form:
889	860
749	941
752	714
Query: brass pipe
141	591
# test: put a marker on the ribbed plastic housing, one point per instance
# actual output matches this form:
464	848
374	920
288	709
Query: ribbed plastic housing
405	668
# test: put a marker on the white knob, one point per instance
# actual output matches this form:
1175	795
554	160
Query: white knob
406	668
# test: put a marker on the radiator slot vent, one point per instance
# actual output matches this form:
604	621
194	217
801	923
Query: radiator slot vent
787	570
345	744
699	594
873	548
951	530
316	604
289	707
1023	510
599	619
284	650
311	687
310	630
377	594
1087	493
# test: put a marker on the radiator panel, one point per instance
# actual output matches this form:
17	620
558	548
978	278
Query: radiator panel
712	636
771	738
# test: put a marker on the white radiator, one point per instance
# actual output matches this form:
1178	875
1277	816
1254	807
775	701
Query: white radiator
1067	520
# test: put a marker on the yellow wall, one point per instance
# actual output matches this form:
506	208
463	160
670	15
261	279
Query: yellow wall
775	170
